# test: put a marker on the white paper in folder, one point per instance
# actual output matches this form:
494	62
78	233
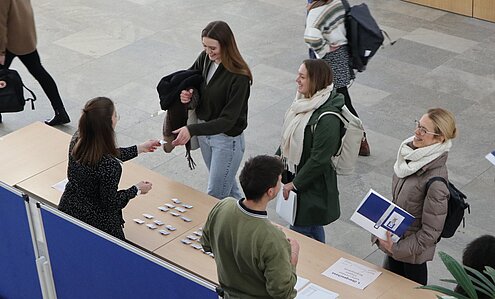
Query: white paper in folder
314	291
287	208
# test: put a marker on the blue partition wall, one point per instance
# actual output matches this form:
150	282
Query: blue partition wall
87	265
18	273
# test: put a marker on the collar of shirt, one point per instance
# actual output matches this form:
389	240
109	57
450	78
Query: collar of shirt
249	212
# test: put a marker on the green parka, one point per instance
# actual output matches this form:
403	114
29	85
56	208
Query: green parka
316	179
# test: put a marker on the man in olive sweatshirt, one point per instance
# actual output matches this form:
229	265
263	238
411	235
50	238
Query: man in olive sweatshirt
254	258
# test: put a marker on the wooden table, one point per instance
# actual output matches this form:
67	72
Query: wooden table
164	189
314	258
31	150
42	151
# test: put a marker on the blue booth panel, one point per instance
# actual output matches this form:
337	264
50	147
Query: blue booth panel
18	273
86	264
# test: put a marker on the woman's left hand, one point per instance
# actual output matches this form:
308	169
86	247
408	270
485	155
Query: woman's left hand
148	146
183	136
287	188
386	244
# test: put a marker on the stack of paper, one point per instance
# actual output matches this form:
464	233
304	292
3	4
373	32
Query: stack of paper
378	215
313	291
287	208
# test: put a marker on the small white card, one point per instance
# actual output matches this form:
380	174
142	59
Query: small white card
164	232
60	186
151	226
169	205
138	221
176	200
351	273
182	210
148	216
301	282
314	291
491	157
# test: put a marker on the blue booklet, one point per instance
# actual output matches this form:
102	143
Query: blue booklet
378	215
491	157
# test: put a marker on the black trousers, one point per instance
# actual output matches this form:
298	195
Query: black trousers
33	64
414	272
347	99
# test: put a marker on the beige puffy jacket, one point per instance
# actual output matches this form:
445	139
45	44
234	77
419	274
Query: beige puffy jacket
429	208
17	30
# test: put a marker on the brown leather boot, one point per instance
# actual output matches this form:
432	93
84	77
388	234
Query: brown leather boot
364	150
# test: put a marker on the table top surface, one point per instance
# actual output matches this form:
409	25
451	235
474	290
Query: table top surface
31	150
52	146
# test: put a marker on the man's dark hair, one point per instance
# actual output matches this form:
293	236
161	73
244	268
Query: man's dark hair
478	254
260	174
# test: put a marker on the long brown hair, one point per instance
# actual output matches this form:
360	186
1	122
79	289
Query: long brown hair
96	133
229	53
320	74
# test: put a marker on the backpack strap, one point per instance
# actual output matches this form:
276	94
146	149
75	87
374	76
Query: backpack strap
32	98
389	39
342	119
434	179
346	5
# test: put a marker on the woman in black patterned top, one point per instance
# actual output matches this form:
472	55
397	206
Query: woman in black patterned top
91	194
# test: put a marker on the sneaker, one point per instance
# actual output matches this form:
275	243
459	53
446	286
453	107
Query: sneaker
61	117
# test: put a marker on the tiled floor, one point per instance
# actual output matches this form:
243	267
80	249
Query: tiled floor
121	48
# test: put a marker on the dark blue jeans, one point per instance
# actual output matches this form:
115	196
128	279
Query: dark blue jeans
313	231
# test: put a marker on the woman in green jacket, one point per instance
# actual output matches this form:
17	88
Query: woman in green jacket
306	149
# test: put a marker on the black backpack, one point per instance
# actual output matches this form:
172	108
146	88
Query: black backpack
12	93
456	206
364	37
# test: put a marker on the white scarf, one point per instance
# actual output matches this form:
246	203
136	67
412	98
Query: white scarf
295	121
417	157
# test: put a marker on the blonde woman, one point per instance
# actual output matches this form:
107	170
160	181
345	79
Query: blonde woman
420	158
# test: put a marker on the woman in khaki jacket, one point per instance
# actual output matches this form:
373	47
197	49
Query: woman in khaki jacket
18	39
420	158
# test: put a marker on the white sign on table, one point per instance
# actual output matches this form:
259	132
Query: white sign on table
351	273
314	291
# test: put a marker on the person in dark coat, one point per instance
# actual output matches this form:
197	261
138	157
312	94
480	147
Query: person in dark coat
307	153
91	194
18	39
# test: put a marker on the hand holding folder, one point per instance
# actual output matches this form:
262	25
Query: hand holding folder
378	215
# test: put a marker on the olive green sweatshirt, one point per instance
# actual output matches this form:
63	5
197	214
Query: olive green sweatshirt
252	255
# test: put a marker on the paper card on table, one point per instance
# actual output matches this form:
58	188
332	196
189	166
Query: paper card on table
378	215
301	282
287	209
60	186
352	273
314	291
491	157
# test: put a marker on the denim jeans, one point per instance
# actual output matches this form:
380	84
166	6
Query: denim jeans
222	155
313	231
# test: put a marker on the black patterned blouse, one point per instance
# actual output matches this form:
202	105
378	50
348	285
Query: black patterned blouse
92	194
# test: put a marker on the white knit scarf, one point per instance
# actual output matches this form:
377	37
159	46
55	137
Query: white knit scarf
295	121
417	157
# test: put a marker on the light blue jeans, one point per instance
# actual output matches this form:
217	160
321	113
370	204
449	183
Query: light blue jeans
222	155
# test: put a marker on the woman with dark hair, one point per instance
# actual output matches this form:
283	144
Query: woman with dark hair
309	140
420	158
91	194
222	109
325	34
